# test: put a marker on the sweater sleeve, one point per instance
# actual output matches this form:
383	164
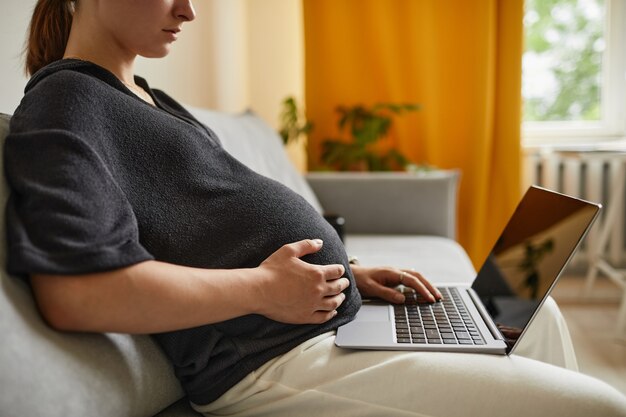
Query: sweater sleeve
66	214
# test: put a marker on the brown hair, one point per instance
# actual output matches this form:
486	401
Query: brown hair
48	33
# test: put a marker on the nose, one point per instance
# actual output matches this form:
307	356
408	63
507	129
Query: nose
185	11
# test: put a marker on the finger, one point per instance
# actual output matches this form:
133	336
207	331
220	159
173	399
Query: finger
332	303
431	288
412	281
319	317
332	272
388	294
304	247
335	287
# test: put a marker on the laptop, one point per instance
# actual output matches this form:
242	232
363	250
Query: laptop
493	314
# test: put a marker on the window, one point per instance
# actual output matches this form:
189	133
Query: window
573	71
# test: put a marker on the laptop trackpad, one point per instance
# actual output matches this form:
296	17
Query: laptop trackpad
373	311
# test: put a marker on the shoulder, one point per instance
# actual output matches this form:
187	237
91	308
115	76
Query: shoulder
61	99
66	87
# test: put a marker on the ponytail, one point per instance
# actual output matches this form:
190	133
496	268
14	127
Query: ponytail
48	33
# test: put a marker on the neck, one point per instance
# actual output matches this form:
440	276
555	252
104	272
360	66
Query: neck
86	42
123	71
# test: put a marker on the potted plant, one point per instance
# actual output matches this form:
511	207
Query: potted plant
292	122
366	126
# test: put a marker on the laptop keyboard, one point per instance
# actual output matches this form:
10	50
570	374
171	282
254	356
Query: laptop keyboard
444	322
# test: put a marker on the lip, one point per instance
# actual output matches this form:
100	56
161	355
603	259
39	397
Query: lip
173	32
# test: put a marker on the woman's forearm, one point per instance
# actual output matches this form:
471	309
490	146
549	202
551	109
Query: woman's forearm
149	297
154	297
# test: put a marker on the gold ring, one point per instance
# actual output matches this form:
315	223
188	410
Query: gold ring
402	274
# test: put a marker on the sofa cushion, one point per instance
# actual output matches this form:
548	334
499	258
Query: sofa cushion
249	139
44	372
440	259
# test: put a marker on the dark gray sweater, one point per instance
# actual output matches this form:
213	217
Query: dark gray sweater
102	180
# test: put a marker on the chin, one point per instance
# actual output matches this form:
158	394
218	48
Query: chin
155	55
158	53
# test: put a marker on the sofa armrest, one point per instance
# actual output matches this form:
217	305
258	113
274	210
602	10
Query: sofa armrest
421	203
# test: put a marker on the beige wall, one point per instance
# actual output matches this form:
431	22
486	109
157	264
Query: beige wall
238	54
186	71
276	59
276	54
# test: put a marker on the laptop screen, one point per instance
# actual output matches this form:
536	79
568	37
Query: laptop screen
527	259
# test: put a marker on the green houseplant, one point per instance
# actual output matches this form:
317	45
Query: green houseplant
292	122
366	126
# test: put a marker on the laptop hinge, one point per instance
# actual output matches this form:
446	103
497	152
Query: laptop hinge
486	317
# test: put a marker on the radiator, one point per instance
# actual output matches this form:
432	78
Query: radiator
587	175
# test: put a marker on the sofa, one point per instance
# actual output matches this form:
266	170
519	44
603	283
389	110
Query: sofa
48	373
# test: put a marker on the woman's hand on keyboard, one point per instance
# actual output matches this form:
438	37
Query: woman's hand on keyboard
381	282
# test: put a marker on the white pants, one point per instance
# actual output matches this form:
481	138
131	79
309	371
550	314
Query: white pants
318	379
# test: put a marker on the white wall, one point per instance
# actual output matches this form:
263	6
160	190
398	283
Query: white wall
238	54
14	21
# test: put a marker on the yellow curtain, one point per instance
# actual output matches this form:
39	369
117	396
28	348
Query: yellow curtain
459	59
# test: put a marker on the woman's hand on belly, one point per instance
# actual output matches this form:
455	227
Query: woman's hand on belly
293	291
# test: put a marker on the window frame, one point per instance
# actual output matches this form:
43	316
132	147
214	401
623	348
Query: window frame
612	127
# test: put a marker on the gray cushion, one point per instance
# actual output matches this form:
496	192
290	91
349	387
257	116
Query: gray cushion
440	259
48	373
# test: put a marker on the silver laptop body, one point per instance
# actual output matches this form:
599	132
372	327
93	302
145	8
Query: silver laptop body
494	313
